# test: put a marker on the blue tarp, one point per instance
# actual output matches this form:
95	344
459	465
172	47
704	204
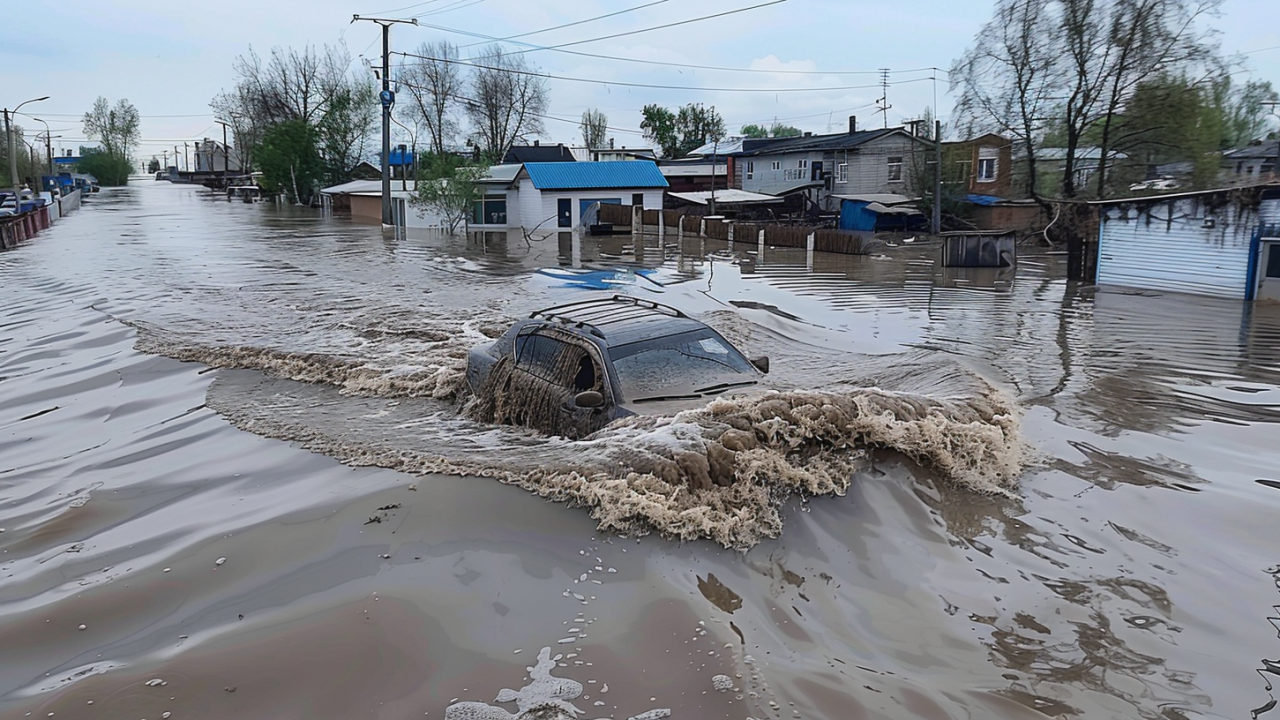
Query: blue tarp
854	215
984	200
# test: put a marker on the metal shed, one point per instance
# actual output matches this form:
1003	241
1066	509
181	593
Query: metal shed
1203	243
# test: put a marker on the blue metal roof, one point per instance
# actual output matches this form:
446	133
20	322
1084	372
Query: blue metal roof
595	175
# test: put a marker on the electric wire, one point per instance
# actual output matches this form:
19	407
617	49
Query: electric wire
623	83
576	22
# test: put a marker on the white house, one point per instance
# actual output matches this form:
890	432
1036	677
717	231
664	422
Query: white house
1223	243
536	197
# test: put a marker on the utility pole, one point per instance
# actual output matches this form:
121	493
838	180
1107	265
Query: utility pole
186	158
226	149
388	98
937	177
1275	168
883	102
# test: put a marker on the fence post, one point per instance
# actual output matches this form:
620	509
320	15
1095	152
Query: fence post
662	226
680	227
702	227
637	220
809	245
730	234
760	250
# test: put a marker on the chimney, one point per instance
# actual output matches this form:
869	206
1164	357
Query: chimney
535	143
610	143
808	133
853	124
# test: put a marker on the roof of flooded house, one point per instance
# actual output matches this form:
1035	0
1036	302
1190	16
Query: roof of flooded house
726	197
621	320
882	198
537	153
1267	191
595	175
749	147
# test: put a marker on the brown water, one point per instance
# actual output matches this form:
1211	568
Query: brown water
1134	572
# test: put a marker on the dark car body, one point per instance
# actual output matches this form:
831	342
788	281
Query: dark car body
572	369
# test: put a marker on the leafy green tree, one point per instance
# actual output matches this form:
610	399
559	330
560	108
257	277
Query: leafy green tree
659	127
677	133
754	131
779	130
450	188
346	127
290	160
110	169
116	128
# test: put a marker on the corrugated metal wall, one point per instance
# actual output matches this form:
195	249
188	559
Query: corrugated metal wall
1166	246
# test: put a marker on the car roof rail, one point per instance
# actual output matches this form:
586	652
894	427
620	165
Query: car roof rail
588	314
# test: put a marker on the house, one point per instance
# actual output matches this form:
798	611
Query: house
1253	164
537	153
879	212
979	166
544	197
554	195
695	174
1087	161
822	166
1223	243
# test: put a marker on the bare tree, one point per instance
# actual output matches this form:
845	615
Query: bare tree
292	84
348	124
594	128
508	100
433	82
1009	79
236	108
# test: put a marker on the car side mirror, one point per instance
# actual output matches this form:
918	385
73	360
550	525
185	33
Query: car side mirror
761	363
589	399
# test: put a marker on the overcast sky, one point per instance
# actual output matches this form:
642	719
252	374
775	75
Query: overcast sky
169	58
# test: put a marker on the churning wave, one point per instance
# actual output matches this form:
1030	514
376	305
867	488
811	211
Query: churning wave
719	472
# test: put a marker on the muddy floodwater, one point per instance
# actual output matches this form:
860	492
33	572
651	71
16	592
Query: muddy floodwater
238	479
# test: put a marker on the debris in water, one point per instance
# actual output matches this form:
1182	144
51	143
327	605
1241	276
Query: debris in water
219	561
155	682
722	683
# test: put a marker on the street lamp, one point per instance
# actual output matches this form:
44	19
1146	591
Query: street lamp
13	159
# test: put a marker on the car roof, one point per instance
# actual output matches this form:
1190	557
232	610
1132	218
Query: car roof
621	319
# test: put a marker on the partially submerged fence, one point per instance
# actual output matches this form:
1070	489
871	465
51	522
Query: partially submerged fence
790	236
16	229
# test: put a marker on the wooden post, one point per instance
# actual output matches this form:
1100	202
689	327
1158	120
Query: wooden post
702	227
637	221
760	249
731	232
662	226
808	255
680	228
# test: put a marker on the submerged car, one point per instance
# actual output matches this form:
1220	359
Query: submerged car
572	369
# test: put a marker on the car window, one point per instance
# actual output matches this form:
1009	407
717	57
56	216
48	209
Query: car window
679	365
539	355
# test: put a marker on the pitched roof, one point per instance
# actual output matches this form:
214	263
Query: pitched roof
595	175
817	143
537	153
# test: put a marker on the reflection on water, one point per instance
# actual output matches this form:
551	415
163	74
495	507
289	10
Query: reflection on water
1133	576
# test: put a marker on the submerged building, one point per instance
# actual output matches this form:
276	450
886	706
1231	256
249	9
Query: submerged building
1223	243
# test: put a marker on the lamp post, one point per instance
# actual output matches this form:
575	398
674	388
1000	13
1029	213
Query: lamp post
13	158
48	138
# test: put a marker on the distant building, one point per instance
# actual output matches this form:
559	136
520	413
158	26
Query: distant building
822	166
981	166
1224	243
1253	164
213	156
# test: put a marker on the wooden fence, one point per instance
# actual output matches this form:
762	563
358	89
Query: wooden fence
790	236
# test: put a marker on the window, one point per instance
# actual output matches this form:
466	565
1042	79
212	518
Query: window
986	170
802	164
637	199
776	165
539	355
492	210
751	169
895	168
842	173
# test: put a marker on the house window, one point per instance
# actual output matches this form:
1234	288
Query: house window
751	169
802	164
842	173
986	170
492	210
895	168
775	165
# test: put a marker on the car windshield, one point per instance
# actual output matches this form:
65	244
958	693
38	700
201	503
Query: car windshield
686	365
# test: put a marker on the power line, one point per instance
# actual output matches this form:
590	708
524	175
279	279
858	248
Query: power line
457	5
621	83
645	30
578	22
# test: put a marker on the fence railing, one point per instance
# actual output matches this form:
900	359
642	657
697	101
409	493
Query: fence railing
789	236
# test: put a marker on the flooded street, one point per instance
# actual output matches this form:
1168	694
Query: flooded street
238	479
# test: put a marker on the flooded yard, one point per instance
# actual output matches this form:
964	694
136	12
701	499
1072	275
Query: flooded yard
237	480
